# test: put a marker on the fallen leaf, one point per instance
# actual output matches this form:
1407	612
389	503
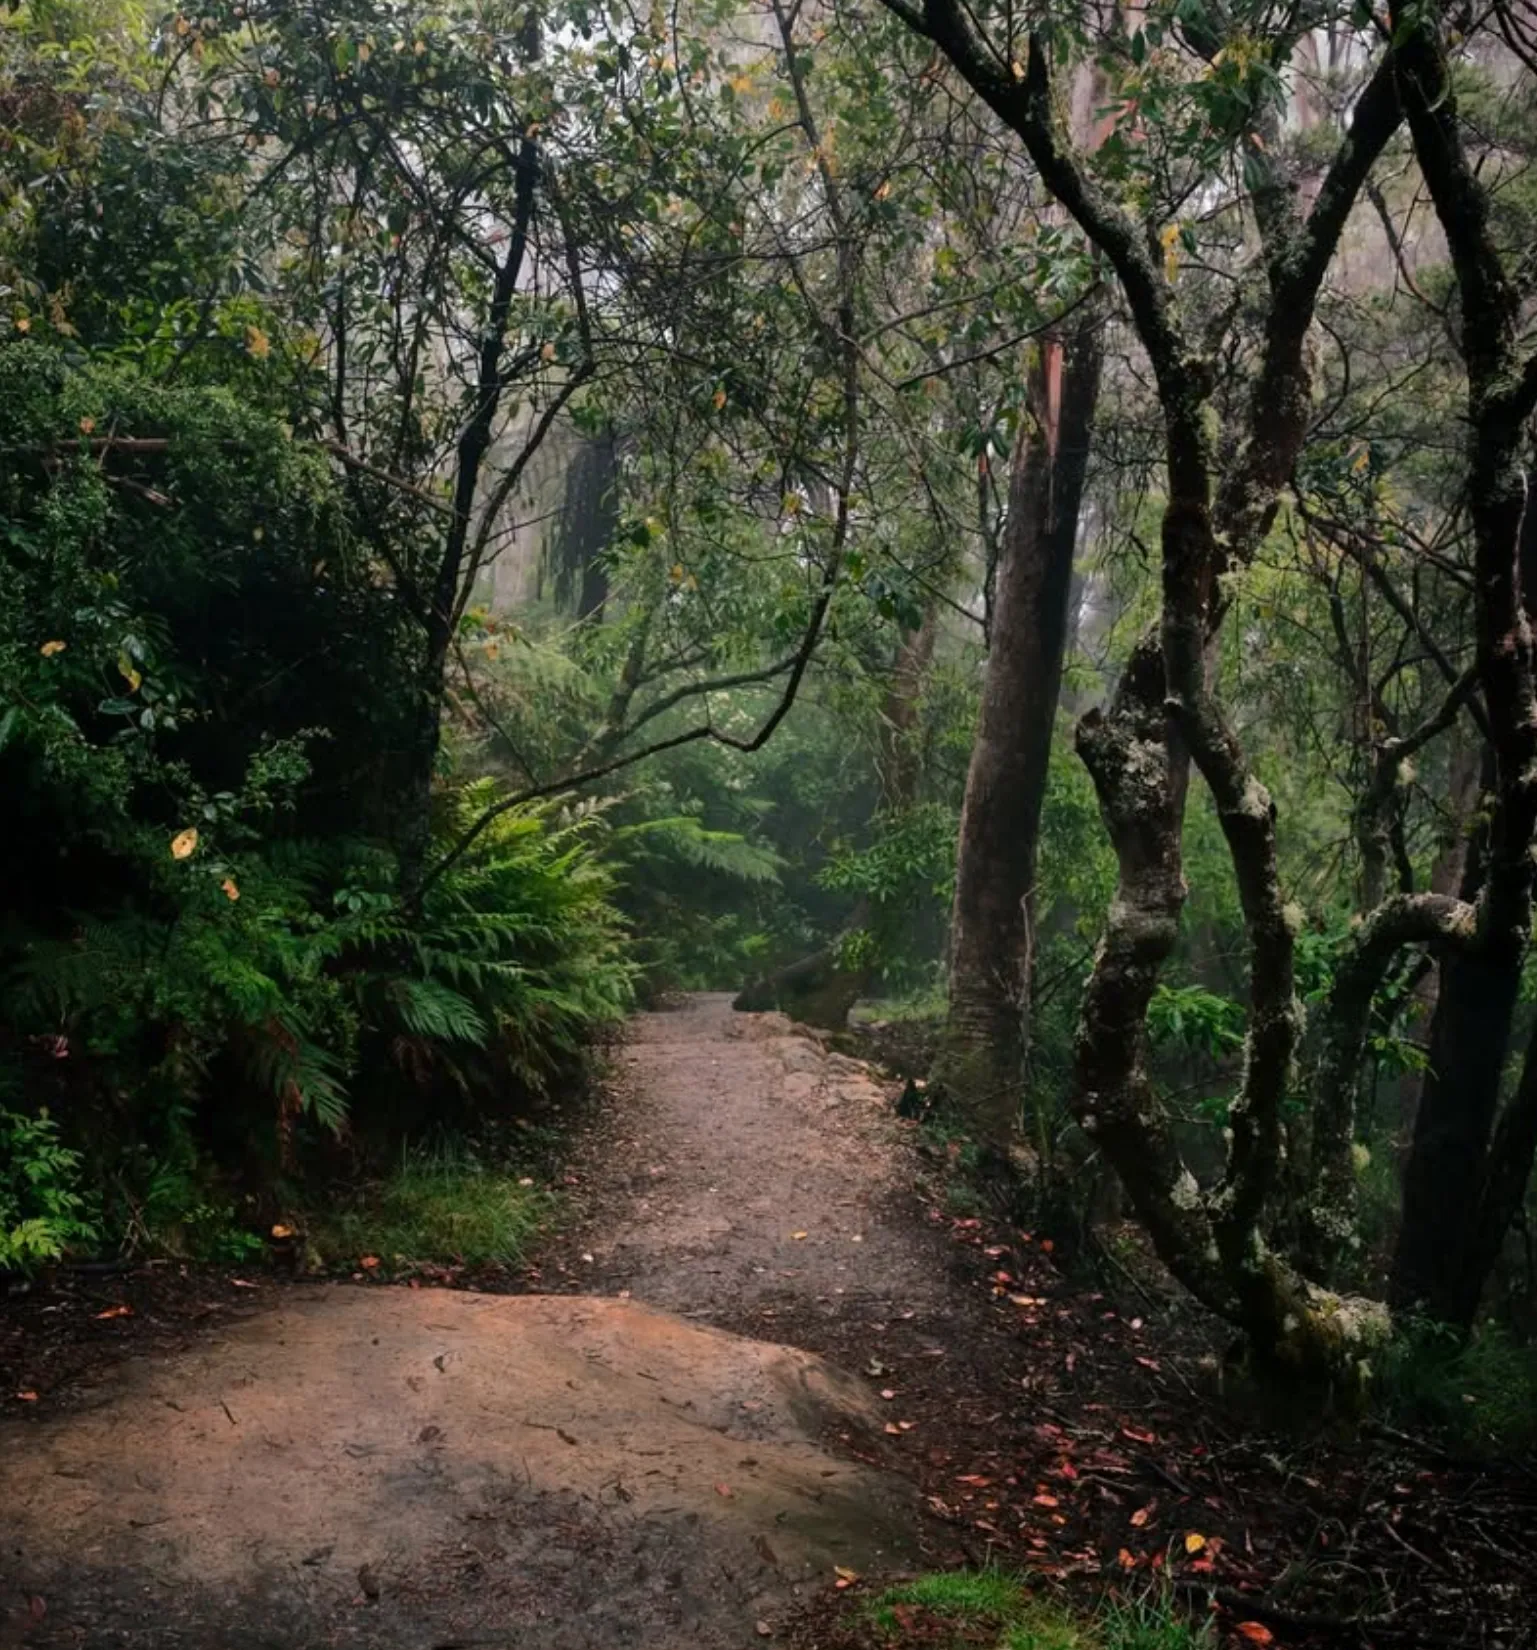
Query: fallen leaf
763	1630
116	1312
48	649
1047	1245
184	843
27	1397
845	1576
369	1263
887	1392
974	1479
1141	1516
1126	1560
1194	1543
724	1490
893	1428
243	1283
798	1236
1256	1632
1138	1437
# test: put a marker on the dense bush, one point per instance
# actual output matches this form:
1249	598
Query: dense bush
206	958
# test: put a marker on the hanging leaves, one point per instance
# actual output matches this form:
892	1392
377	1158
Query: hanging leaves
184	843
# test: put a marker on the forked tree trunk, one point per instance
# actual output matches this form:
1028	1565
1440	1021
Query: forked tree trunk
981	1064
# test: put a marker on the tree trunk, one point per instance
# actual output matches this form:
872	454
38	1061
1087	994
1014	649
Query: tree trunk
982	1056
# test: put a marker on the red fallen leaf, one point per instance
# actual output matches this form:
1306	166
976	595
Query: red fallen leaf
1047	1245
1068	1470
1139	1437
993	1250
892	1427
1126	1560
37	1608
1046	1501
242	1283
1141	1516
975	1479
116	1312
725	1490
27	1397
1256	1632
369	1262
1148	1363
1202	1567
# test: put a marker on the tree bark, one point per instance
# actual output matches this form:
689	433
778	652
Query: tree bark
1466	1170
981	1065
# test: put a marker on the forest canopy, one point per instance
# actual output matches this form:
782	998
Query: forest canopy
1016	516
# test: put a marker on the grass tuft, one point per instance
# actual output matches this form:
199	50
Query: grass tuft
992	1608
439	1208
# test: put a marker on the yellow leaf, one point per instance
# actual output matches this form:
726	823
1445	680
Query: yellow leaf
798	1236
547	353
184	843
365	51
125	669
257	343
884	190
1194	1542
231	891
1168	239
718	400
48	649
23	324
87	425
281	1232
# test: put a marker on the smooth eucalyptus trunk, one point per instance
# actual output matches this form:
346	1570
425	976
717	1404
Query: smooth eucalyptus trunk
981	1065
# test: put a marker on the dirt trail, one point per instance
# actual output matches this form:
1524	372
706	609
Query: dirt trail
425	1469
743	1172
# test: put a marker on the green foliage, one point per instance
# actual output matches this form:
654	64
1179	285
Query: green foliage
1478	1393
1195	1018
993	1607
43	1213
438	1207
